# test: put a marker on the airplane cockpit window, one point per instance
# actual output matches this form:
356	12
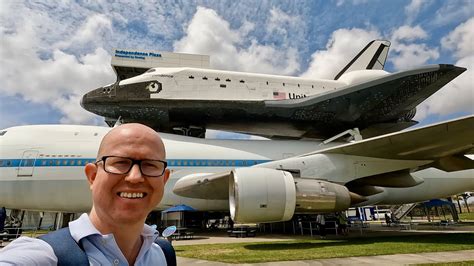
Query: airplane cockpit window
150	70
3	132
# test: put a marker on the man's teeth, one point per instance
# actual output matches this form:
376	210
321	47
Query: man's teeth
131	195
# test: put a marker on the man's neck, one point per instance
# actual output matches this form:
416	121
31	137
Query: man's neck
127	237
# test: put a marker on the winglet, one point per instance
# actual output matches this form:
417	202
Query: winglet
373	56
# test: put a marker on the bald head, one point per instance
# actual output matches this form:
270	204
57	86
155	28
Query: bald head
113	209
128	133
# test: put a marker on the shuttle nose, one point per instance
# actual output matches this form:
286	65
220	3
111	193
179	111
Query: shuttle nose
97	100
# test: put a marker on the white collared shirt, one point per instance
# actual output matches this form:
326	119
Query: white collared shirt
100	249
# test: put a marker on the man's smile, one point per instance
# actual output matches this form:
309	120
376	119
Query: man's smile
131	195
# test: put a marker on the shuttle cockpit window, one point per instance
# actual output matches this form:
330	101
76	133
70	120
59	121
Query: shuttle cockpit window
150	70
3	132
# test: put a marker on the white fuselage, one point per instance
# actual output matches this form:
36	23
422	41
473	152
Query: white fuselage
210	84
41	167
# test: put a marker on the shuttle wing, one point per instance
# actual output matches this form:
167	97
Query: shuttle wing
388	96
441	145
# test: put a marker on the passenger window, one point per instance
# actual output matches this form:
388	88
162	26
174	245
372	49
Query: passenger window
222	86
191	77
204	78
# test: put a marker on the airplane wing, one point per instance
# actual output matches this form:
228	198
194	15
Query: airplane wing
426	143
441	145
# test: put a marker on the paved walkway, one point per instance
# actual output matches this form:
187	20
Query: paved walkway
398	259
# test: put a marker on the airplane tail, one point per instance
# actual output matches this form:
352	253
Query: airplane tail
373	56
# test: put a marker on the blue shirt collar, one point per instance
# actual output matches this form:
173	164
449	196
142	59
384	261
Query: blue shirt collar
83	227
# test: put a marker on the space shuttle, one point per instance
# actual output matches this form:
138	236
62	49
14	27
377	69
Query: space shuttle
189	100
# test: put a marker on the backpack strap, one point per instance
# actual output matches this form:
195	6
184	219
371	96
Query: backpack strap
168	249
66	249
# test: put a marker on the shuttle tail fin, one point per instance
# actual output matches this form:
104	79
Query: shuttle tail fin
373	56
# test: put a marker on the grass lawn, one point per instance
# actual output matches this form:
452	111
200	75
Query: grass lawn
322	249
467	216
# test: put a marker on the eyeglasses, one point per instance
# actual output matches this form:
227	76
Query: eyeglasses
122	165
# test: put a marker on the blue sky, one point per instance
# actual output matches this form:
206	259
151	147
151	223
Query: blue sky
52	52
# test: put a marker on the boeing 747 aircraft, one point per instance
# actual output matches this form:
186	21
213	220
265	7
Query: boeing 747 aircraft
41	168
187	101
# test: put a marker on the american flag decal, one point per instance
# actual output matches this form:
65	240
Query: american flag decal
279	95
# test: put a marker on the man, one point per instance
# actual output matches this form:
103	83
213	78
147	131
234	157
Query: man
3	216
127	182
321	222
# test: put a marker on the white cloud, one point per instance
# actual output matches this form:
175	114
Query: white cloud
453	11
461	39
406	54
409	33
411	55
412	9
343	45
208	33
353	2
88	35
57	78
458	95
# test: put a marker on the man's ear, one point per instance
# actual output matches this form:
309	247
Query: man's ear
91	173
166	176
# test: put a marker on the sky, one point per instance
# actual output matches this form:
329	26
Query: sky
53	52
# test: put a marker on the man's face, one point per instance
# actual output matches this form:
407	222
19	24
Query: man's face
111	192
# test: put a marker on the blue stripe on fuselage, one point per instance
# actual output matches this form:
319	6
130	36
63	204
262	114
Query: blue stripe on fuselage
172	163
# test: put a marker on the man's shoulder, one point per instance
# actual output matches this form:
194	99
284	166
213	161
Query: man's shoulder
28	251
154	256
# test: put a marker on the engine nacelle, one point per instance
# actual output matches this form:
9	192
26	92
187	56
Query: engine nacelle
260	195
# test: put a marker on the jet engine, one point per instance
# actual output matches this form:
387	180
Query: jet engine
259	195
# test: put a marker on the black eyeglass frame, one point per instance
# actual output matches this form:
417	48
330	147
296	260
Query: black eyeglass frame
134	161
